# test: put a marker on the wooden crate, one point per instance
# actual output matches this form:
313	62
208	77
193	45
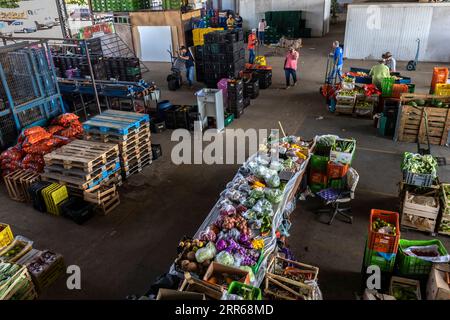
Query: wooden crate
18	182
412	120
420	217
445	200
399	281
191	284
11	289
301	290
438	285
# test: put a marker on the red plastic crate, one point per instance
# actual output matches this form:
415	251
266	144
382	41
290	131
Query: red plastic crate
384	242
336	170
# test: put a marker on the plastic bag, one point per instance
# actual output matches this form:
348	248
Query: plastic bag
264	207
224	258
227	210
273	195
206	253
34	131
208	235
273	180
55	129
427	253
249	202
276	165
12	154
257	193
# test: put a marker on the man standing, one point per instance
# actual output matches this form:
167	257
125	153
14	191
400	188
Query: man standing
252	41
261	31
379	72
290	66
338	62
186	55
230	22
238	20
390	61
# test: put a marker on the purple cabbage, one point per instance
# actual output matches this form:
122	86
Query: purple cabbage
221	245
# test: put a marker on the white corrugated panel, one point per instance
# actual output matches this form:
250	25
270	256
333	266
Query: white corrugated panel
396	30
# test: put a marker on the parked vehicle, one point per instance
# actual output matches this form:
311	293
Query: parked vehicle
80	14
20	26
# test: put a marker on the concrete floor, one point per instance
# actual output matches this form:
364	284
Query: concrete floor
124	252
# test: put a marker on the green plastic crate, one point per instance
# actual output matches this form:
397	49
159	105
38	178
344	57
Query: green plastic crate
387	87
319	163
316	187
255	268
372	257
235	286
229	118
412	266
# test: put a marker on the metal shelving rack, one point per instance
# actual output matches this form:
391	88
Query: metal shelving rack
29	94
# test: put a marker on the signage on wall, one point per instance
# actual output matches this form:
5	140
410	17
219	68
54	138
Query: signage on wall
97	30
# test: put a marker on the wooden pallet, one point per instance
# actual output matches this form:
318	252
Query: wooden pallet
94	135
18	182
138	153
136	161
79	173
136	146
86	155
70	181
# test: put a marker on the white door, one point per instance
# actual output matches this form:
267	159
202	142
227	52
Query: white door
154	43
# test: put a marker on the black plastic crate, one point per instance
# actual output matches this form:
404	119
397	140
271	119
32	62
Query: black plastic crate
157	126
156	151
238	113
246	102
77	210
170	117
36	195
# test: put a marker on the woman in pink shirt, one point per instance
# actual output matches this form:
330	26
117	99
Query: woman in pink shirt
290	66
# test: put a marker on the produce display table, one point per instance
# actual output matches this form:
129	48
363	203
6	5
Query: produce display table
281	211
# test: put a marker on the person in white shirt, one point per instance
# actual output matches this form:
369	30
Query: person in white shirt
261	30
390	61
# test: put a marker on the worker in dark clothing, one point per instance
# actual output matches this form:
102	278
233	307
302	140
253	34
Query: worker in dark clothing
186	55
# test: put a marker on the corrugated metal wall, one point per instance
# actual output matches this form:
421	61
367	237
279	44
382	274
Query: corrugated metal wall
396	30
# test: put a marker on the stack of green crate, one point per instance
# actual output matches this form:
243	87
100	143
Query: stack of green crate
318	165
172	4
385	261
288	23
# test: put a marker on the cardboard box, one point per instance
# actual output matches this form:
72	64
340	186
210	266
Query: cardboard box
168	294
374	295
216	268
438	287
343	157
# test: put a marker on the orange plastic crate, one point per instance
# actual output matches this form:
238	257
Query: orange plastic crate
384	242
398	89
336	170
440	75
317	178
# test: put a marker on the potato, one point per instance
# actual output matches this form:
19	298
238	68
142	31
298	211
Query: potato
191	256
185	264
192	267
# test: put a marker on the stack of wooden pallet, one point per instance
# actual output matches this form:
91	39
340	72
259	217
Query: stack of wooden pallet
82	165
131	131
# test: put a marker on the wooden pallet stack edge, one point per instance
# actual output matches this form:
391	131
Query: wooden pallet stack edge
412	126
18	182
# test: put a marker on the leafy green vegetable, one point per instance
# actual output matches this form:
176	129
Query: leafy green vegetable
418	164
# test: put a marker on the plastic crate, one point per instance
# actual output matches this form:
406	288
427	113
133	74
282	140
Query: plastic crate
413	266
440	75
36	195
381	242
229	118
442	89
6	235
235	286
54	195
418	179
77	210
319	163
336	170
387	87
398	89
386	261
